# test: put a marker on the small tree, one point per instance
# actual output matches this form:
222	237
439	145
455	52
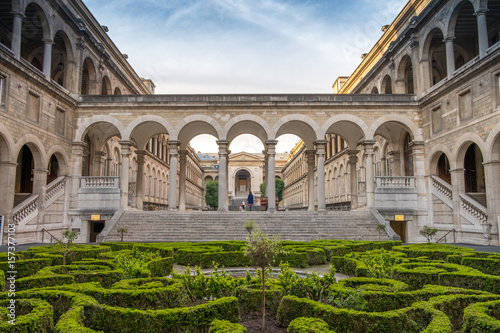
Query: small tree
70	236
122	230
262	250
380	229
428	232
249	226
278	185
212	194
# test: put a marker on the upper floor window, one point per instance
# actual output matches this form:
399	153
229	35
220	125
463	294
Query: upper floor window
2	85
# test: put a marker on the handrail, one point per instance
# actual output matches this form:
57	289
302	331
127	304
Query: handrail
446	234
51	236
54	187
25	208
473	208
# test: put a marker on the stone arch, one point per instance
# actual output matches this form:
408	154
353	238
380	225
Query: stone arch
405	82
462	26
374	91
403	121
461	146
88	81
351	128
247	123
62	157
62	60
433	57
160	126
192	126
35	28
6	144
106	88
300	125
117	91
386	87
36	147
492	145
105	126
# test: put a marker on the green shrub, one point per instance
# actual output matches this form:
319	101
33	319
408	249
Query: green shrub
134	263
308	325
26	267
42	281
191	256
160	267
250	298
224	326
224	259
482	317
192	319
28	315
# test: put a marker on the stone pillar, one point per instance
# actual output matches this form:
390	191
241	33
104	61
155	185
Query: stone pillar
16	33
492	177
7	183
125	151
182	179
418	77
396	163
370	196
418	153
172	189
139	182
482	29
77	148
47	57
311	159
320	153
98	155
266	163
271	177
353	181
450	56
457	188
223	154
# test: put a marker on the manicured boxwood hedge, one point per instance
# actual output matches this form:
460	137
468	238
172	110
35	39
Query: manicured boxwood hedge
224	326
308	325
482	317
30	315
250	298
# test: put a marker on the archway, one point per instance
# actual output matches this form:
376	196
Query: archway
434	52
106	86
34	30
463	26
493	23
53	169
88	78
24	172
387	85
243	183
443	168
405	76
474	170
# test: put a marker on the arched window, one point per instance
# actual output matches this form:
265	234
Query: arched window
387	85
105	86
374	91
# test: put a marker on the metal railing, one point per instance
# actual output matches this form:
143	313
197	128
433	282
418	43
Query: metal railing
51	236
446	234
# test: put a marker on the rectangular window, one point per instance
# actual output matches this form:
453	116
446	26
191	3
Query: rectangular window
465	105
2	84
437	120
33	113
60	121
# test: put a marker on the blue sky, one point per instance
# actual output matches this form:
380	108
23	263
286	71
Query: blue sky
244	46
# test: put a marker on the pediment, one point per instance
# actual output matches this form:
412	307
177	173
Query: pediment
245	156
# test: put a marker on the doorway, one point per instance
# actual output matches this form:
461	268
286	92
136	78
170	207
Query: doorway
95	229
242	183
399	228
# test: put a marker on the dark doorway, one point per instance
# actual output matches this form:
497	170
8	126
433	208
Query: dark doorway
443	168
53	169
474	170
24	173
399	228
95	229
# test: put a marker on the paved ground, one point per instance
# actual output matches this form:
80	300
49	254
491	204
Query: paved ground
480	248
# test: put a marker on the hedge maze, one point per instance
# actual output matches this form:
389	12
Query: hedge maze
131	287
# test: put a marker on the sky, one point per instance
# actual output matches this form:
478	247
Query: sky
244	46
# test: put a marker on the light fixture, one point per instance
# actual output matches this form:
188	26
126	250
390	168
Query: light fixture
60	65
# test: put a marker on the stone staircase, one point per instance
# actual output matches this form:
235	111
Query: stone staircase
164	226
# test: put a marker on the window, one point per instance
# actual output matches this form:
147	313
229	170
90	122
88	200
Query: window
60	121
465	105
436	119
2	84
498	89
33	112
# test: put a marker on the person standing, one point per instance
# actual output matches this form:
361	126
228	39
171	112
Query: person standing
250	200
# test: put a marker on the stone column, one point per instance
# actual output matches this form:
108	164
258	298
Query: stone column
417	148
182	179
47	57
98	155
370	196
396	163
320	153
7	183
311	159
77	148
492	177
482	29
223	154
266	163
418	77
139	182
172	189
125	151
271	177
457	188
450	56
353	181
16	33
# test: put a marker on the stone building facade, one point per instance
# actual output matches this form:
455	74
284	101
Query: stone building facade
414	132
